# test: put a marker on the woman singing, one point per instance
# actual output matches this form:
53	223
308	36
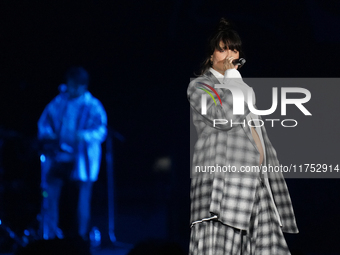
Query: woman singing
233	212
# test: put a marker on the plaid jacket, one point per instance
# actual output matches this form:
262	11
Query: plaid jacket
228	196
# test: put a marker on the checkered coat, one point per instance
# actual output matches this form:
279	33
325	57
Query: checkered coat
230	198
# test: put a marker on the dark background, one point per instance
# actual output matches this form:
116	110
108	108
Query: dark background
141	56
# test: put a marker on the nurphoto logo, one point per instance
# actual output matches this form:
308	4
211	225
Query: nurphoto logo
239	99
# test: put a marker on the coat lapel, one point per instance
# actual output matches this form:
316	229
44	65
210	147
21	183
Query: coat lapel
247	130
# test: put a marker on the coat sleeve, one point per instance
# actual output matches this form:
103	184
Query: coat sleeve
215	109
45	122
96	128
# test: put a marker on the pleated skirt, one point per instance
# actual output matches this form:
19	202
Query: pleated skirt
264	237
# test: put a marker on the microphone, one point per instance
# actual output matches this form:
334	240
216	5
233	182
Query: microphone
239	62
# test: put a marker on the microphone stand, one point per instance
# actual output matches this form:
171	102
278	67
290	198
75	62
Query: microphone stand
110	185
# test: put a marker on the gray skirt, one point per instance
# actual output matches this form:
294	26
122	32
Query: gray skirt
265	236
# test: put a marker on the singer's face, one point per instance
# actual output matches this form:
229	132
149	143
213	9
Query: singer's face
219	56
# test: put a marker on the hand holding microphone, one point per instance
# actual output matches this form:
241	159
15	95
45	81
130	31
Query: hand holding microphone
231	63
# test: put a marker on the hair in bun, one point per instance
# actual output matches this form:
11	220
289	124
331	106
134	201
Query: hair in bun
223	25
223	33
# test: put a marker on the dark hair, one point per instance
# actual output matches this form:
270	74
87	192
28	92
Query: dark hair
228	36
78	74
